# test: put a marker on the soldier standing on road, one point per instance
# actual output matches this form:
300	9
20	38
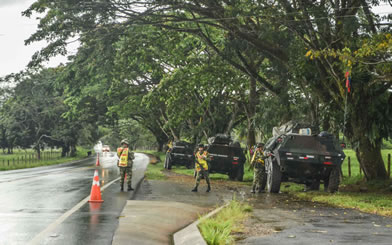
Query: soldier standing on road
125	164
201	167
258	168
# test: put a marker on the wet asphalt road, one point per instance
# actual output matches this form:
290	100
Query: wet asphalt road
278	218
287	221
48	205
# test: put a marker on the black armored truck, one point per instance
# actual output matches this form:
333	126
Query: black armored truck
227	157
301	154
181	154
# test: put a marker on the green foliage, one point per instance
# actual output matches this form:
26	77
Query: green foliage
154	169
371	202
192	70
21	159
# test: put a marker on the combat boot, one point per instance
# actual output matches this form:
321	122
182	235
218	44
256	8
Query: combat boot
194	189
122	188
130	188
208	188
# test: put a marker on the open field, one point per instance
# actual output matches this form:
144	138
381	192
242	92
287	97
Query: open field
28	158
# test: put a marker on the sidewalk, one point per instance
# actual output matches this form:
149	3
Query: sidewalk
152	222
162	208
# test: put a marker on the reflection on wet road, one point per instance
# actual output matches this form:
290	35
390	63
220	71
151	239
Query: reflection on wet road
35	202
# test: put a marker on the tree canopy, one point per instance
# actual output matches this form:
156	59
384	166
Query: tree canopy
191	69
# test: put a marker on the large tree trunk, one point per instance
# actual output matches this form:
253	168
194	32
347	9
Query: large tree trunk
251	111
73	151
64	150
38	150
160	146
368	151
370	159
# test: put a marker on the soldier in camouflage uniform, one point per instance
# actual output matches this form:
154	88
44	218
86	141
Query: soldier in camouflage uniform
258	167
125	164
201	167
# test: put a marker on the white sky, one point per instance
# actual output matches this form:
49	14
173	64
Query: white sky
14	29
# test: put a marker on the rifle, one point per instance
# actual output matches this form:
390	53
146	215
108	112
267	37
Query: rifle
250	166
263	158
201	167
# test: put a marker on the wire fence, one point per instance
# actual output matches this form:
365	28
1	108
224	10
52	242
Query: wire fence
30	159
349	165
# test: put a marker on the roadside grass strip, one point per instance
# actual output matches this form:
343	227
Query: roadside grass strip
154	169
372	201
219	229
80	154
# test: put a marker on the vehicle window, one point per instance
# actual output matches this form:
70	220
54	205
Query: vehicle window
311	144
182	150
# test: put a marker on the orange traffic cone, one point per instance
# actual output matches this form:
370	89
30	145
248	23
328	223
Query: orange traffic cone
97	163
95	195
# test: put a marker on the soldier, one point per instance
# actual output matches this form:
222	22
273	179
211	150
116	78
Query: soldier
201	167
258	167
125	164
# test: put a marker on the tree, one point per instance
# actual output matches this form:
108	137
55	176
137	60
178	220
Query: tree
275	44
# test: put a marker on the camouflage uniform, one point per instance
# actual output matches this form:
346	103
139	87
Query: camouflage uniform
126	170
201	169
259	170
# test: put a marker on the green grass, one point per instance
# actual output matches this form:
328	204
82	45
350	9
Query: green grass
373	201
154	170
16	162
354	162
371	197
218	229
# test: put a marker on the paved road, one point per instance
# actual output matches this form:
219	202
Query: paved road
48	205
277	218
281	220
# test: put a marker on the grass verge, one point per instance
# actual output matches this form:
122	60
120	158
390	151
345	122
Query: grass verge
218	229
155	167
80	154
370	197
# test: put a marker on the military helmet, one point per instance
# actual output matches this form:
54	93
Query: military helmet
260	145
201	146
124	141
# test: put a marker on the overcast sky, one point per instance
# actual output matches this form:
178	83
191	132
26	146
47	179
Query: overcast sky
14	29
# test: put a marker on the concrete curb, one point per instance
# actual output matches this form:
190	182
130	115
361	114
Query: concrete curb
191	233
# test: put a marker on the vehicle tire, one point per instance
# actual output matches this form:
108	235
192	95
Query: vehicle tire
274	176
232	175
334	180
240	174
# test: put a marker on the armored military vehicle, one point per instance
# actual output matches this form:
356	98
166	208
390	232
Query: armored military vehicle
303	155
227	157
181	154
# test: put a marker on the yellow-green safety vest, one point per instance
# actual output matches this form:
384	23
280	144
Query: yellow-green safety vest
122	153
202	161
257	157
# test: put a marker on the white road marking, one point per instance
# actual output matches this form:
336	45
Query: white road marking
52	226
